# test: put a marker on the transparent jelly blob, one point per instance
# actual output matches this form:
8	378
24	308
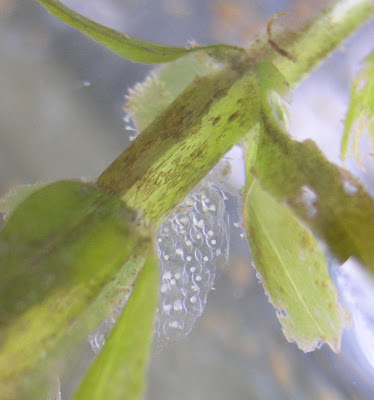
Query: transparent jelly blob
192	244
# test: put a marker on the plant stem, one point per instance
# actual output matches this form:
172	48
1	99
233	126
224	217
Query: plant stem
181	146
321	36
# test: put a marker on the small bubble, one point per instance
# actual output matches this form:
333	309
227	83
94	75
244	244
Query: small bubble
206	258
218	252
210	233
164	288
212	208
213	242
192	269
173	282
159	240
189	258
179	252
177	276
198	236
193	299
199	278
166	257
194	288
188	243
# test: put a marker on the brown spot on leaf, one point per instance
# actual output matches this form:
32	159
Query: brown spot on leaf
216	120
233	117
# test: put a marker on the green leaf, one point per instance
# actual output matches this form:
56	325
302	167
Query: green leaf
129	47
119	370
160	88
293	272
360	113
58	250
327	198
16	196
292	266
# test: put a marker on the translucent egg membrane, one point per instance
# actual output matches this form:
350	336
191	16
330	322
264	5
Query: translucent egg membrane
193	244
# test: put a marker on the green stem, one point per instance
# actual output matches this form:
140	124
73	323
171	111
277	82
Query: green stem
180	146
321	36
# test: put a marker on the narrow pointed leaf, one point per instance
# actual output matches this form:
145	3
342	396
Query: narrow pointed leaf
329	199
293	272
129	47
58	249
360	113
119	370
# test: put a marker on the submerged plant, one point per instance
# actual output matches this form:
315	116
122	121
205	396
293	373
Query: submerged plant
70	252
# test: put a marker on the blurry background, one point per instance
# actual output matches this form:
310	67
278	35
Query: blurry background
61	98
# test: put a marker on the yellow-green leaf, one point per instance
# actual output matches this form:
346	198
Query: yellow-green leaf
360	113
16	196
119	370
330	200
129	47
292	266
148	99
293	272
58	250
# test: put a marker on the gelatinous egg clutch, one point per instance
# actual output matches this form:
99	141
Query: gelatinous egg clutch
193	245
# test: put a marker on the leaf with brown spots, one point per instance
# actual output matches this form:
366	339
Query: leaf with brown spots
292	266
293	272
329	200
